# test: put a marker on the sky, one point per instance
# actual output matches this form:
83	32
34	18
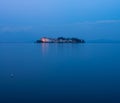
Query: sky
28	20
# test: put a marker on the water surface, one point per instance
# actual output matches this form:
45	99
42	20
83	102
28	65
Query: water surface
59	73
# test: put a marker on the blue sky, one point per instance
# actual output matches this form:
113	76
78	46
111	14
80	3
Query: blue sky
28	20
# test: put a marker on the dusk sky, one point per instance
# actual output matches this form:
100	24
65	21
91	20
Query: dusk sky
28	20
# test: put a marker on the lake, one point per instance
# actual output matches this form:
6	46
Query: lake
59	73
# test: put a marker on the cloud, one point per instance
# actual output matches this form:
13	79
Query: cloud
15	29
107	21
96	22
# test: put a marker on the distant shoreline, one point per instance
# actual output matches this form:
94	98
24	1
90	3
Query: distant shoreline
60	40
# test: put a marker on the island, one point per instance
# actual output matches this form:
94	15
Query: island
60	40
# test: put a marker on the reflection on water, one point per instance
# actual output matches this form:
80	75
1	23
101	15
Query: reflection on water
44	48
60	73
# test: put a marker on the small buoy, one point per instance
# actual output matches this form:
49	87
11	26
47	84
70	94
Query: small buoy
11	75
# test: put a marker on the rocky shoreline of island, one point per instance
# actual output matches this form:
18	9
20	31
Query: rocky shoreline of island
60	40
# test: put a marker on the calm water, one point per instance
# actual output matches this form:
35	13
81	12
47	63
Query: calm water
60	73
